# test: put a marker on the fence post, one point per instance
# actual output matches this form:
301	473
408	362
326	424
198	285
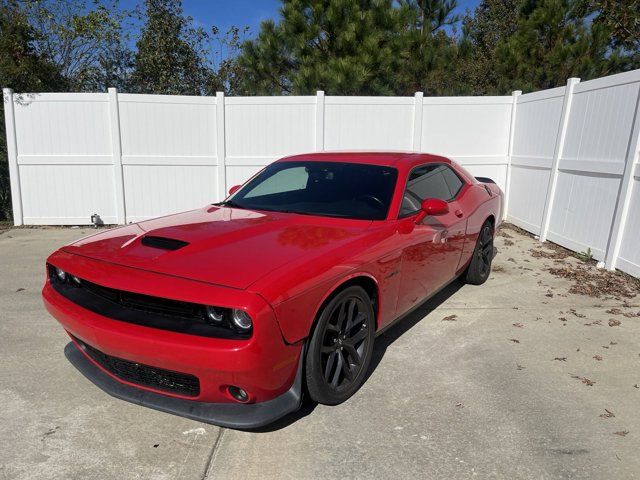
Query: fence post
512	131
624	197
116	153
319	121
12	154
221	147
417	121
557	155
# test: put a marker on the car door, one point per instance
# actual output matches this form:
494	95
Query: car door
431	248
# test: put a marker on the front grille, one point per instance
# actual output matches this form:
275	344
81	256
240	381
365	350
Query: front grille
146	303
145	310
144	375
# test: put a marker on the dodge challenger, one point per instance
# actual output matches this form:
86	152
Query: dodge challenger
227	314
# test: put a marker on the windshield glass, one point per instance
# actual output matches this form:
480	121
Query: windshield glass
332	189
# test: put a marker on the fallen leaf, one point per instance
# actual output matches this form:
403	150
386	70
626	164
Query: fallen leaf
597	357
20	290
614	311
450	318
561	359
636	386
613	343
585	380
579	315
459	404
614	323
514	340
607	414
562	319
622	433
519	367
518	325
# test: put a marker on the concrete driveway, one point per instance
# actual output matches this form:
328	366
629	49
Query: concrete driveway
507	380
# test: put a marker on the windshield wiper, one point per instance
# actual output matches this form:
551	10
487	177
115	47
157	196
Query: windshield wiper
229	203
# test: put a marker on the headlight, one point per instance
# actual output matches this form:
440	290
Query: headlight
241	319
216	315
234	319
61	274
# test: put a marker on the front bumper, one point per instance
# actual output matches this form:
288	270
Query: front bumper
232	415
264	365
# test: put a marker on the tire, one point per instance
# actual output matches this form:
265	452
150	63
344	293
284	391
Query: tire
479	269
341	346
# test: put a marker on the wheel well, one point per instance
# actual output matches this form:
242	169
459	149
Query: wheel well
492	220
367	283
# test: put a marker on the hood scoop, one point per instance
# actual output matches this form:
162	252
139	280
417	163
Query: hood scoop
163	243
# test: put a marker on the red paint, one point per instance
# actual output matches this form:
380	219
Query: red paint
279	267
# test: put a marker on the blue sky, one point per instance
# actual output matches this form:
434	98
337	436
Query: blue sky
225	13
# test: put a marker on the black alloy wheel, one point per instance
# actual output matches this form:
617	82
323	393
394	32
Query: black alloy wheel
480	266
341	347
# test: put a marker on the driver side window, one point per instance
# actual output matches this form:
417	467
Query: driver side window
429	181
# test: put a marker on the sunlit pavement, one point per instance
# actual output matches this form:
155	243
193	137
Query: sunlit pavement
485	381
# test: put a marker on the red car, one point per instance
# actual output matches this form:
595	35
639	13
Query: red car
227	313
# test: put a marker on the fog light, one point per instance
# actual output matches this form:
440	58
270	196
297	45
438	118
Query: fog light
241	319
61	274
238	394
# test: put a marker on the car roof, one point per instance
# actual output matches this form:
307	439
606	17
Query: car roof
399	160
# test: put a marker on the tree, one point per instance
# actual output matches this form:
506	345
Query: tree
86	40
228	75
23	69
344	47
433	15
621	18
492	22
428	53
555	40
172	55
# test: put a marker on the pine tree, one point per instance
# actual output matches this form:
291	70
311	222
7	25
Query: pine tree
555	40
343	47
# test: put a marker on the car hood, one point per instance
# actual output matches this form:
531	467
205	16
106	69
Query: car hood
224	246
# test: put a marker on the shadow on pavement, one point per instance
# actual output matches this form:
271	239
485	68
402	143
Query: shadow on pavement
383	341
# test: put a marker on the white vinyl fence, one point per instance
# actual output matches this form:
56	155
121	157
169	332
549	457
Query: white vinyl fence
130	157
566	157
574	175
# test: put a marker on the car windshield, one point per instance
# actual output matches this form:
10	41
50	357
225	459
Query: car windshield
332	189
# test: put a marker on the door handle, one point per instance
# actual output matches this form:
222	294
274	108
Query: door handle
458	213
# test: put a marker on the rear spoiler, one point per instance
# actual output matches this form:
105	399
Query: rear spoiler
485	180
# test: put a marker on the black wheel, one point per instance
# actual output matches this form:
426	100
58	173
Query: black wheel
340	348
480	266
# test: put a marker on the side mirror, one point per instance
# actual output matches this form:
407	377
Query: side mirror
234	189
432	206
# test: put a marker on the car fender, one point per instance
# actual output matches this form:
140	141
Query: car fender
296	316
